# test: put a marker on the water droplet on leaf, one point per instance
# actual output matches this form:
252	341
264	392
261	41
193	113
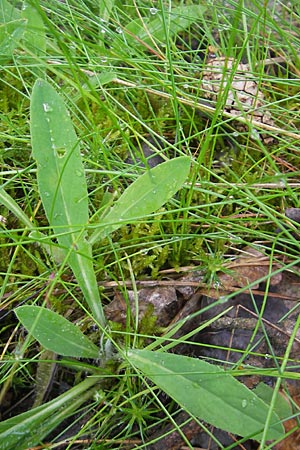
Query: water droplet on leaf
47	107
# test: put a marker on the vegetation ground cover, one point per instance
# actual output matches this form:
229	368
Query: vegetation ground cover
124	105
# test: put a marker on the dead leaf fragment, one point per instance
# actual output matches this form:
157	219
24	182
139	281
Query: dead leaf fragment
248	269
239	89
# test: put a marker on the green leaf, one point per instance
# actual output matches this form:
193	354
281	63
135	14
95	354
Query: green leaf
28	429
146	195
8	12
10	35
105	9
94	82
35	35
62	186
207	391
60	171
179	18
282	406
55	333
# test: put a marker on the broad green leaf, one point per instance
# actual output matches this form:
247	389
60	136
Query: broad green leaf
145	195
105	8
282	406
56	333
8	12
94	82
60	171
26	430
155	27
35	35
62	186
177	20
208	392
10	35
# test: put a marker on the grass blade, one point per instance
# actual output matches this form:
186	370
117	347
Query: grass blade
12	206
26	430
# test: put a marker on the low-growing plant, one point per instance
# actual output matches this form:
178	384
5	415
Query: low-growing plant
75	227
194	384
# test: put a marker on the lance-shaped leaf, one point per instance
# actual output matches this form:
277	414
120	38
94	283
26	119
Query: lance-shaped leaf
56	333
8	12
146	195
10	36
159	25
208	392
62	186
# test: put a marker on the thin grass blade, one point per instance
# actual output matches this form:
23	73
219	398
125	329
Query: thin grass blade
26	430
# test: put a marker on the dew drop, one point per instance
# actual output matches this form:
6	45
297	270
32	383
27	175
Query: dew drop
244	403
255	135
79	173
47	107
46	194
153	11
282	183
119	30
